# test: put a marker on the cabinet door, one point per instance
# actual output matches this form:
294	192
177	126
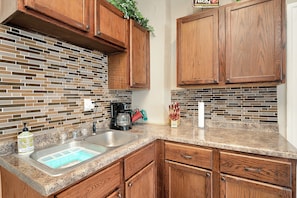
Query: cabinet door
75	13
183	181
139	56
234	187
143	183
116	194
253	41
12	186
197	49
97	186
110	24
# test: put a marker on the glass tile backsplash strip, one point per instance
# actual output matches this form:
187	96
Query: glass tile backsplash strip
43	81
242	104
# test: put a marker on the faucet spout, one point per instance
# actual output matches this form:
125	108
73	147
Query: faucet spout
94	128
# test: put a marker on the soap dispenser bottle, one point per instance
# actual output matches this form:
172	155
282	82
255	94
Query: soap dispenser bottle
25	141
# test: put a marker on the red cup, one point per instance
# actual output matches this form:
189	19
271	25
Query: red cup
137	115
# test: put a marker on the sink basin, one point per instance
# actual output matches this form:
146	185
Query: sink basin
112	139
59	159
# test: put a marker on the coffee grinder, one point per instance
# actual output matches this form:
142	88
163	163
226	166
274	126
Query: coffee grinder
120	116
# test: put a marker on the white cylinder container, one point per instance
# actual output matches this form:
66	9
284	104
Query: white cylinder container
201	114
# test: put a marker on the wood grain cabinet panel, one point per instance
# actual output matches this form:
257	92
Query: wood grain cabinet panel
268	170
254	41
241	42
75	13
183	181
235	187
251	176
13	187
131	69
141	173
143	183
139	56
97	186
138	160
71	21
196	156
116	194
183	177
197	49
110	24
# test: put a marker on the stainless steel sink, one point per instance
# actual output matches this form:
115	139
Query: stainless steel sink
59	159
112	138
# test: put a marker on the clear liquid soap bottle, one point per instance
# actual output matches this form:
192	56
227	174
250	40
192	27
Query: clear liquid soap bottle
25	141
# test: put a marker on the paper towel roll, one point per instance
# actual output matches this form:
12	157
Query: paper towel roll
201	114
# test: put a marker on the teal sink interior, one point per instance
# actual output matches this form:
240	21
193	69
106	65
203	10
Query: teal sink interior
112	138
59	159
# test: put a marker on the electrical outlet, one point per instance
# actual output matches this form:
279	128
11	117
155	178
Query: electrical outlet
88	105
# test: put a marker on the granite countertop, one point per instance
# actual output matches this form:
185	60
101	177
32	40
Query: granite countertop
255	142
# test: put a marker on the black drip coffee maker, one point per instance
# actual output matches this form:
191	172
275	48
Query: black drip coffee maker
120	116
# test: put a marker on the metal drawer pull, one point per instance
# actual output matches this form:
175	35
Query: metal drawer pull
255	170
186	156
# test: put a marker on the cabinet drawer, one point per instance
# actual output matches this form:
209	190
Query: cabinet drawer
272	170
101	184
190	155
139	160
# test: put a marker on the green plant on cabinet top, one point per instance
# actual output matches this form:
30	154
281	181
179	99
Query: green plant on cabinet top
130	10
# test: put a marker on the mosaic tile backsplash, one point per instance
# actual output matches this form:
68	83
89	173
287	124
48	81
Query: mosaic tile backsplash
253	105
43	82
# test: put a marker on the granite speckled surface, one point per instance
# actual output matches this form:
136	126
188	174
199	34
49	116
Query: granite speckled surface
264	143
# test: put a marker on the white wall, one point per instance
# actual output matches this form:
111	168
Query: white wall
291	106
162	16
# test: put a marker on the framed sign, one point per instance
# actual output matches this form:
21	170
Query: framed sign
205	3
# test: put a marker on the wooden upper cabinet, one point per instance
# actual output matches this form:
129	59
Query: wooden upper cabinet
241	42
197	49
131	69
110	24
71	21
75	13
139	56
254	41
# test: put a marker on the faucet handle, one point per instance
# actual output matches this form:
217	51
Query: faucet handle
74	134
63	137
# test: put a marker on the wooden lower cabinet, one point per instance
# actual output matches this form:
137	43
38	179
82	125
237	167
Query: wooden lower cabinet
254	176
116	194
143	183
183	181
140	173
97	186
13	187
235	187
176	170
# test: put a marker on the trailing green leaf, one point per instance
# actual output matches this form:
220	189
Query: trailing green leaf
130	10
